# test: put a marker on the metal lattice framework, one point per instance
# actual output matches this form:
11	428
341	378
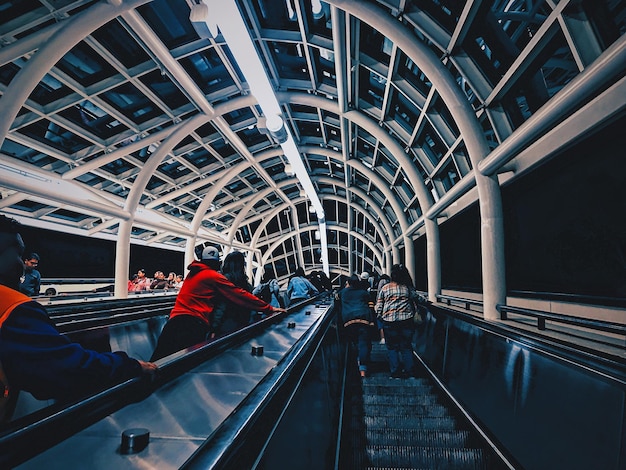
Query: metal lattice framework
121	122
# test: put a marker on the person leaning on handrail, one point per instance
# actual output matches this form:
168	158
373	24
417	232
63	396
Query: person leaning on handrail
34	356
191	319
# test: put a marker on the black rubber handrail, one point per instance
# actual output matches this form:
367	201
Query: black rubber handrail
225	443
541	316
45	428
450	298
76	325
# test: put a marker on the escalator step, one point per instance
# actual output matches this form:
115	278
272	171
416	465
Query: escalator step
400	423
426	457
417	438
416	399
384	381
407	410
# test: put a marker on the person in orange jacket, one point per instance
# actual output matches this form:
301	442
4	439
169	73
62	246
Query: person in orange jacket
34	356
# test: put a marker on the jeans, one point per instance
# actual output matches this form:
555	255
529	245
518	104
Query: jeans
398	336
180	333
359	334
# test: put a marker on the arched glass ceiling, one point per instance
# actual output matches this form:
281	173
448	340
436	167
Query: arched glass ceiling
142	91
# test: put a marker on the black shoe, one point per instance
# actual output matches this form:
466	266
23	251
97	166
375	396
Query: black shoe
396	375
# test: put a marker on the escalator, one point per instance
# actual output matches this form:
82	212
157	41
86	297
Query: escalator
407	423
302	404
195	391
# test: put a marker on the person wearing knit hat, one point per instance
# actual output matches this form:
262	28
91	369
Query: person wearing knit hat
191	320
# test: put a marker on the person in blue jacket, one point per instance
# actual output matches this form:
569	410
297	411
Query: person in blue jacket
300	288
34	356
357	318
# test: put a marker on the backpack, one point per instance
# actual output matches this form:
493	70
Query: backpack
265	293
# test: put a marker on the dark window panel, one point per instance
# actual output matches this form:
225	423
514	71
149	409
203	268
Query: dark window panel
403	111
409	71
154	183
85	66
55	136
276	14
374	44
239	115
114	37
170	20
119	166
93	119
208	71
174	169
49	90
372	87
200	158
319	18
161	85
132	103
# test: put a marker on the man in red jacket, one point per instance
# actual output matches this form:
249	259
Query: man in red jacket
191	317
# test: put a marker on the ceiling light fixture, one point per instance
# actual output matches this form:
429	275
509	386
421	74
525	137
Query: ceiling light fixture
226	15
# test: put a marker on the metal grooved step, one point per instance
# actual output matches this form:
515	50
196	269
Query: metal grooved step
402	424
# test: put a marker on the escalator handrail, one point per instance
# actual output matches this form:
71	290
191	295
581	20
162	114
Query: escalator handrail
43	429
225	441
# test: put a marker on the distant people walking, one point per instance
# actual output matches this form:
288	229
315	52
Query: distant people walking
394	304
30	282
300	288
191	318
358	319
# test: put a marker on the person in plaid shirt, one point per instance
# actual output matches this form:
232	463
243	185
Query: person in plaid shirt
394	305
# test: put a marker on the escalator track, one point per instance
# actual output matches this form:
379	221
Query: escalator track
407	424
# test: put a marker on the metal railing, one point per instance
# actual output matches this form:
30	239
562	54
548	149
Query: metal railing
449	299
541	316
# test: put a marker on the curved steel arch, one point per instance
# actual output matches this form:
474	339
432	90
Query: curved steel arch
282	238
489	198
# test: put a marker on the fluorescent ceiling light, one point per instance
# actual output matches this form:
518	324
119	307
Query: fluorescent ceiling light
226	15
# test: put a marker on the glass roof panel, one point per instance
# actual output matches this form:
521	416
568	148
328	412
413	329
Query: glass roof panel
116	39
55	136
200	158
49	90
93	119
207	70
276	14
289	59
85	66
127	99
161	85
170	21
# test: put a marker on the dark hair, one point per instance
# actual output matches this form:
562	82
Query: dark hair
400	275
299	272
268	276
30	256
234	268
9	225
354	280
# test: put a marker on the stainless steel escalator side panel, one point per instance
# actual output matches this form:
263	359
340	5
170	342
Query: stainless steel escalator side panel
548	407
184	412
